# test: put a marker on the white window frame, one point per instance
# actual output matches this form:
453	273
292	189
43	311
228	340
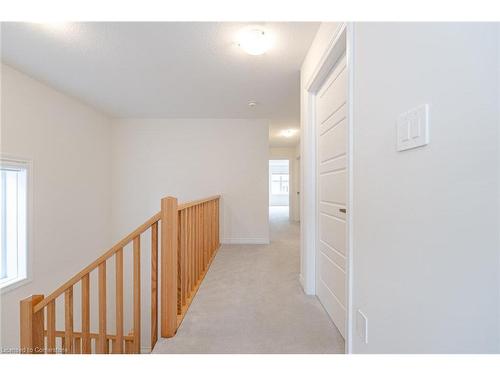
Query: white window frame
26	258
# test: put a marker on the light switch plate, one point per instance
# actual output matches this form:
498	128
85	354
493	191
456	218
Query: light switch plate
413	128
362	326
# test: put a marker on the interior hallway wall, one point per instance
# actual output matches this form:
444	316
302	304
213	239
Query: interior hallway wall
69	146
426	243
191	159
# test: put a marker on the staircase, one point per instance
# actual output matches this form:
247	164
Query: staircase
189	239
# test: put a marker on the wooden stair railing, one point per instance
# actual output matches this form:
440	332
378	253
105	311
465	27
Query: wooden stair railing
189	241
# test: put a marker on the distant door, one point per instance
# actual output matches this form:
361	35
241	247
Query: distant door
331	122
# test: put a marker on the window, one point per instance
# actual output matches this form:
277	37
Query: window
279	183
14	215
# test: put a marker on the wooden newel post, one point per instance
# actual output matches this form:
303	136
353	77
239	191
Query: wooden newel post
168	288
32	326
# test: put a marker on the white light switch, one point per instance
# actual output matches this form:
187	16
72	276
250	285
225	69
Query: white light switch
413	128
362	326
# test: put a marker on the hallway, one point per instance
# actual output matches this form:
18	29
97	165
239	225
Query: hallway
251	302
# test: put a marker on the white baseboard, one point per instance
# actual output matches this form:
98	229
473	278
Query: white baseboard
245	241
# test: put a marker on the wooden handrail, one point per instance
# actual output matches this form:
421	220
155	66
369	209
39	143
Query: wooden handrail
189	242
108	254
197	202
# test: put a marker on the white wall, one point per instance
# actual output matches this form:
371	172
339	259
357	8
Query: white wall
426	243
290	154
425	221
319	46
189	159
192	159
96	179
69	145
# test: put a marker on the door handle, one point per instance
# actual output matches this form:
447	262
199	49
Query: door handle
343	210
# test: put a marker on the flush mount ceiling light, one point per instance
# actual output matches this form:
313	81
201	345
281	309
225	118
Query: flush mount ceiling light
288	132
254	40
252	104
54	26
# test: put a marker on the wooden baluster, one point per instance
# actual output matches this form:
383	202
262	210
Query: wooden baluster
207	231
169	233
206	226
129	347
179	263
191	251
214	244
210	230
184	257
102	348
118	344
186	246
51	327
154	284
195	244
199	244
68	319
217	222
203	238
137	294
86	344
202	234
32	326
183	270
78	345
192	241
188	254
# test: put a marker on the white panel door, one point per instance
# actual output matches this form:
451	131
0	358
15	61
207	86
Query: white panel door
331	129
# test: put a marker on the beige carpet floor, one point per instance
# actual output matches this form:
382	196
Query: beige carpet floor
251	302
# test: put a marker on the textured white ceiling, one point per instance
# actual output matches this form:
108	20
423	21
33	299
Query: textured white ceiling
166	69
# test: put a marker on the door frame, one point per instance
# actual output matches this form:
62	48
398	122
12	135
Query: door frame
342	42
290	175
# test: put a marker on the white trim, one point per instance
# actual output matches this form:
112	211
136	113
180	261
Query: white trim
308	199
328	59
341	42
28	164
14	284
350	187
301	281
245	241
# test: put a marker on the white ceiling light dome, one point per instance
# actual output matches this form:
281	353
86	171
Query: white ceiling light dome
288	133
255	40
